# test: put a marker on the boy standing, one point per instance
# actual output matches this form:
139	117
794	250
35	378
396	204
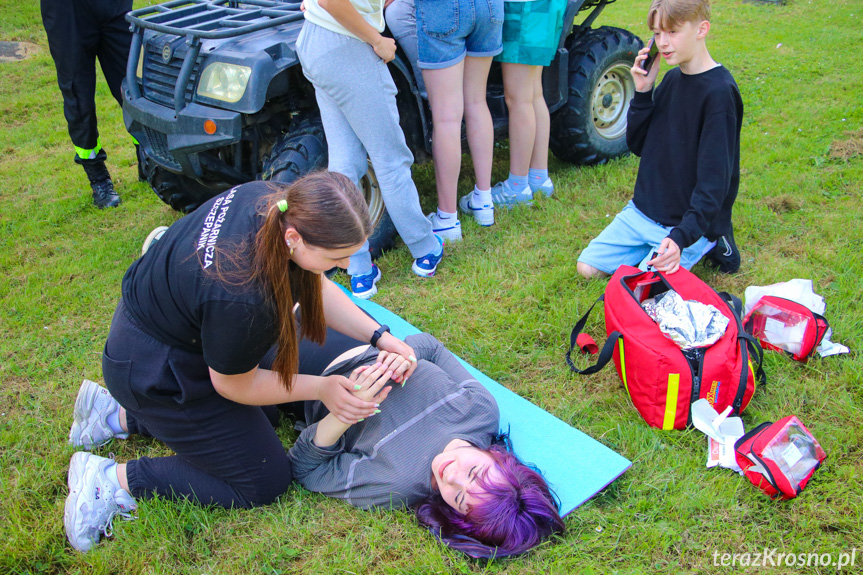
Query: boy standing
687	134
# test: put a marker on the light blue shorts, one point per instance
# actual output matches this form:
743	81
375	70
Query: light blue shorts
449	30
630	238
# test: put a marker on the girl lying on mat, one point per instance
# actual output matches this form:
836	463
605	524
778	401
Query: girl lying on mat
431	446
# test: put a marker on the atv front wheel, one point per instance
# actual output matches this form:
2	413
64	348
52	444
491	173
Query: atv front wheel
181	193
591	127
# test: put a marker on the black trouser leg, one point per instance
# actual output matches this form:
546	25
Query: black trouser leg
227	454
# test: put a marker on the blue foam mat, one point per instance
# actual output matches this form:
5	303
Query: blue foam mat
575	465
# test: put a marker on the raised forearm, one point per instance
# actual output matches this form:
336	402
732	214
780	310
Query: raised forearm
329	430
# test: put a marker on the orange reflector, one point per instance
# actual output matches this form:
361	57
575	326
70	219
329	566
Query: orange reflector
210	127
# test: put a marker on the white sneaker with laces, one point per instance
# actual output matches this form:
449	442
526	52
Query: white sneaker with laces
484	215
90	427
93	501
449	230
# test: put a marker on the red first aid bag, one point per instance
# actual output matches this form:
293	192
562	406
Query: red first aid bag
779	458
661	381
784	325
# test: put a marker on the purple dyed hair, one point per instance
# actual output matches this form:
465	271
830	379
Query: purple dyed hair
511	517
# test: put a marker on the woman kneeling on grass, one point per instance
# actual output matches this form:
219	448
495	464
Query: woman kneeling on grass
199	312
430	447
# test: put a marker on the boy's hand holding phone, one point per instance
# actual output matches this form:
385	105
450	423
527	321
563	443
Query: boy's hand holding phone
646	67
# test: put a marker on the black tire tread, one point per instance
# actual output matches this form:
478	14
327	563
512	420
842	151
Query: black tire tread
572	137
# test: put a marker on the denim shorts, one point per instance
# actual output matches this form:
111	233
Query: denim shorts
630	239
448	30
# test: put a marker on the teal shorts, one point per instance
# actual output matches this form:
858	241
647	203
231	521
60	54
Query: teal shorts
531	31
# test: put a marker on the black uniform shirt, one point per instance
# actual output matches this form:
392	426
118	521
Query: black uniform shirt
175	295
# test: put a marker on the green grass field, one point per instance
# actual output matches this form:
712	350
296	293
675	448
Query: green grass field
505	300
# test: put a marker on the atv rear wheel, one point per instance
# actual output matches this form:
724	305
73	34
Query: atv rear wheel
303	149
591	127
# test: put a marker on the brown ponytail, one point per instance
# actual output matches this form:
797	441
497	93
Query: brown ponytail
329	212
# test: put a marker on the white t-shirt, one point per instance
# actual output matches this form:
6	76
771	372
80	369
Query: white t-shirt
372	12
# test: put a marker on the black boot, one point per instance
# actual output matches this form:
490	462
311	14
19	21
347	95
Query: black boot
104	195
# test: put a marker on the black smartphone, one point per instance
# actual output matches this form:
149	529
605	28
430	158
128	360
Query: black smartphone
651	55
652	257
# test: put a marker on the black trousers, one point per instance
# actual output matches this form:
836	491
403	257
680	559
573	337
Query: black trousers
227	454
79	32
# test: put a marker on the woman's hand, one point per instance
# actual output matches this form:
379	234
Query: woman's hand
385	48
371	379
389	342
336	392
644	79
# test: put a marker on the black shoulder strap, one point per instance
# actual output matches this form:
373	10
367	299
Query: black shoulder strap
607	349
757	352
754	347
734	302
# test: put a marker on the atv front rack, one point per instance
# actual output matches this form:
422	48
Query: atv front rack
214	19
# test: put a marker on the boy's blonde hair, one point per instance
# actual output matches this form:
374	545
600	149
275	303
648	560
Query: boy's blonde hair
668	14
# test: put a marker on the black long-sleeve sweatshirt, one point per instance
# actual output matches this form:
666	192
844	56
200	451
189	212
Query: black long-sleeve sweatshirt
687	133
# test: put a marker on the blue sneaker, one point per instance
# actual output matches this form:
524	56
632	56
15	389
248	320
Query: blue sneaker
504	196
426	266
363	285
546	188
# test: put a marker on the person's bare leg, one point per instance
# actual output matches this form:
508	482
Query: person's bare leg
122	477
518	91
589	271
445	91
539	156
478	122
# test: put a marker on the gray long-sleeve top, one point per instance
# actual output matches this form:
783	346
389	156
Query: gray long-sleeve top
385	461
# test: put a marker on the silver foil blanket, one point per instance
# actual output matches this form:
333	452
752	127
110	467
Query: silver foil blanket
688	323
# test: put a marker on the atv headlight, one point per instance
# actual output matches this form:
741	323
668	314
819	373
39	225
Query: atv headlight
226	82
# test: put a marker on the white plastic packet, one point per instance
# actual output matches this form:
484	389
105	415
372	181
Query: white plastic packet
722	433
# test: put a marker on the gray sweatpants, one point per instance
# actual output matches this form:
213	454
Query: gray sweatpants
357	99
402	21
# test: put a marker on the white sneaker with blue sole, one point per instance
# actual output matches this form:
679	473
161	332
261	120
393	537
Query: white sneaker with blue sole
484	214
449	230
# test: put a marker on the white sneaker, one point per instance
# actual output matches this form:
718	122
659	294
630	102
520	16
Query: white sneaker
546	188
484	215
153	237
90	427
448	230
504	196
93	501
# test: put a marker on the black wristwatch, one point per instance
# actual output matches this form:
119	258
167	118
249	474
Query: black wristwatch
377	335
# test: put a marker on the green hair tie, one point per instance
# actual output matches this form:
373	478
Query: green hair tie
283	205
